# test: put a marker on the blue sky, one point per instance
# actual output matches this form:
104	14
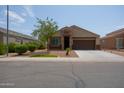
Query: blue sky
98	19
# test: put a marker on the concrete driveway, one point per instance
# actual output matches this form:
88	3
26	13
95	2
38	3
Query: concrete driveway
98	56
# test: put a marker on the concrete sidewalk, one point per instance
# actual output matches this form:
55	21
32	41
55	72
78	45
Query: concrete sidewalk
25	59
28	59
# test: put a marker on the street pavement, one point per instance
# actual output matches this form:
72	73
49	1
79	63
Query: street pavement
31	74
92	69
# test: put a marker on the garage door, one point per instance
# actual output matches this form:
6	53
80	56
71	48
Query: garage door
83	44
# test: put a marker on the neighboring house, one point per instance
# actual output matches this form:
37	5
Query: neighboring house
14	37
113	40
76	38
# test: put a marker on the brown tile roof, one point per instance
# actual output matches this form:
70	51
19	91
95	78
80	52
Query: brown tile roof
13	33
79	28
114	33
74	27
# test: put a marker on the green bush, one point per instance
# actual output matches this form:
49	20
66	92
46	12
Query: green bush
11	47
31	47
2	49
41	46
68	51
21	48
38	45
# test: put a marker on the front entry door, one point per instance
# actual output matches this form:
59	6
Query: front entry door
66	42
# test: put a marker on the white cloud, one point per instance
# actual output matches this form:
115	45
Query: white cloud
2	22
28	8
120	26
14	17
24	14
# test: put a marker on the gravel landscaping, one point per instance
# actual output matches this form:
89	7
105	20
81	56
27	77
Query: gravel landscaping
57	53
63	53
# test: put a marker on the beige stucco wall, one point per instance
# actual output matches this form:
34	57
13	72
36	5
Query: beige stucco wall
109	43
97	41
83	35
57	33
77	33
11	39
86	36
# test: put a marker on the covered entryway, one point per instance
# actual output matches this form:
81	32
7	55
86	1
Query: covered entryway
66	42
83	44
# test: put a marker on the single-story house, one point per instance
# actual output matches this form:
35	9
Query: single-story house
14	37
113	40
76	38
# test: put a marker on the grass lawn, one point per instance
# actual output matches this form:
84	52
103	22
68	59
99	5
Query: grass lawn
44	55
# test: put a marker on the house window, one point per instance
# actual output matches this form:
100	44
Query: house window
55	41
119	43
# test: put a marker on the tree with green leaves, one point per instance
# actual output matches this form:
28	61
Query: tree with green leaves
45	29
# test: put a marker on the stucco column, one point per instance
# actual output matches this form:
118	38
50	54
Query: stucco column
62	42
70	45
97	43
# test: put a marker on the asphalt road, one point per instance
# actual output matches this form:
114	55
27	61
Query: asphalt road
62	74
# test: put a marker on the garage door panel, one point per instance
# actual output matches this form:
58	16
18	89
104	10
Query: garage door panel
84	44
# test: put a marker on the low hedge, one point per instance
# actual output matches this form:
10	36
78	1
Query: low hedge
2	49
41	46
11	47
21	48
38	45
31	47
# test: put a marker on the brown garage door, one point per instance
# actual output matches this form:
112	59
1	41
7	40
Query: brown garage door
83	44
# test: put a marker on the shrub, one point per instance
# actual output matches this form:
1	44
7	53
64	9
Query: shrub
68	50
31	47
21	48
2	49
11	47
37	45
41	46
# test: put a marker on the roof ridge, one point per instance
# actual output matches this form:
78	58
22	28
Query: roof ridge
83	29
116	31
16	33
